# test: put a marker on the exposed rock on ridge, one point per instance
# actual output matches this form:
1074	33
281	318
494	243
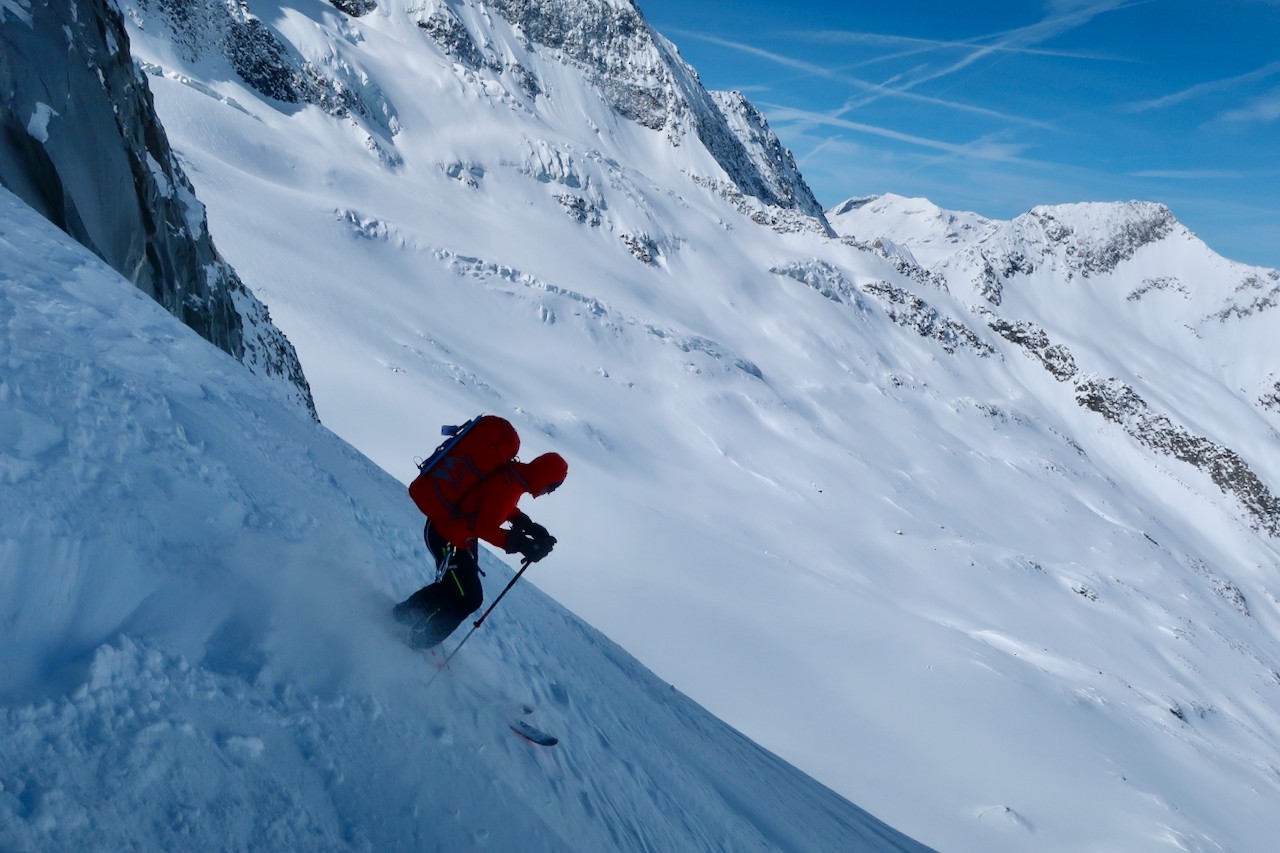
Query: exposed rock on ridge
1118	402
452	36
82	145
641	75
775	164
911	312
1088	240
1056	358
1130	226
1121	404
272	66
355	8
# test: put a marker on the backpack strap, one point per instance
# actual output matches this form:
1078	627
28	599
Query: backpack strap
511	467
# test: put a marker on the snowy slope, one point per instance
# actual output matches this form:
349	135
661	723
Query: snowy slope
197	653
904	526
1148	312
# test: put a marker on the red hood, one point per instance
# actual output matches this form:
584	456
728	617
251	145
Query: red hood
543	473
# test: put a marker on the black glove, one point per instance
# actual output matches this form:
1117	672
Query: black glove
532	544
543	542
523	524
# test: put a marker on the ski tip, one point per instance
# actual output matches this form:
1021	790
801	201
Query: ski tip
533	735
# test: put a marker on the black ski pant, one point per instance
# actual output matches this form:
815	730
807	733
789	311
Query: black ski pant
435	611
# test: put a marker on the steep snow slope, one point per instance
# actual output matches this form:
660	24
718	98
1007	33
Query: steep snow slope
1108	297
923	545
193	583
1158	333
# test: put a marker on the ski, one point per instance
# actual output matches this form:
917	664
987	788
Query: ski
533	735
525	730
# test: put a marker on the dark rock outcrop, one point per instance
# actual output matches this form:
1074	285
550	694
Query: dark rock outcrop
910	311
1121	404
268	63
642	77
355	8
1056	358
80	142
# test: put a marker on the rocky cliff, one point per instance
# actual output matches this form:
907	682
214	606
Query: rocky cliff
81	143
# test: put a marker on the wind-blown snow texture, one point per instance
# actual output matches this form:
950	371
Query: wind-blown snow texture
972	521
197	653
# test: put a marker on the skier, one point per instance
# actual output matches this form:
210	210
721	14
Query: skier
437	609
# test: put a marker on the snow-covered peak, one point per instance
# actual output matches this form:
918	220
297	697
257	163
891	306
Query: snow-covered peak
1127	250
1092	238
770	160
642	76
503	48
1102	217
928	231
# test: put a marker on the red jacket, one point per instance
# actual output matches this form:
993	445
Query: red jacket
492	502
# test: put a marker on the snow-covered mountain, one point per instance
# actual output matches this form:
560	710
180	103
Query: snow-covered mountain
928	232
196	650
971	521
1047	278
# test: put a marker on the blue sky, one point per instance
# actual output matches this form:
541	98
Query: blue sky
1001	105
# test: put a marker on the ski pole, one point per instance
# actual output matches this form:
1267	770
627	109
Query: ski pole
524	564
